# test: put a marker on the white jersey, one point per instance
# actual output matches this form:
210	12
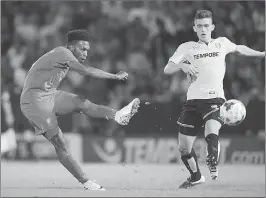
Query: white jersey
210	59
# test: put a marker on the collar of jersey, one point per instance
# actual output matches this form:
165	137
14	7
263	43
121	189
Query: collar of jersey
205	43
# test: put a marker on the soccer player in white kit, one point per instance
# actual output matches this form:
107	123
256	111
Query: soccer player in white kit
204	64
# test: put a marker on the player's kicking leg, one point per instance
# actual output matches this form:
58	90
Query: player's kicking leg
121	116
212	128
189	158
66	102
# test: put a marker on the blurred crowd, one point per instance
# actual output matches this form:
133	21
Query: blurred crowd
135	36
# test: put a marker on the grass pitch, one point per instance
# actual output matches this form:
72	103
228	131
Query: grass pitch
50	179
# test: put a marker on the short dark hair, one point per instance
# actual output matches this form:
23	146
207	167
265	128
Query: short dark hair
201	14
77	35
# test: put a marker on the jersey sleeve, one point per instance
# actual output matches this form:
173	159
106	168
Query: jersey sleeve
229	46
180	52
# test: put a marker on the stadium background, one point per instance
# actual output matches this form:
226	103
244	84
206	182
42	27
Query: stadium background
138	37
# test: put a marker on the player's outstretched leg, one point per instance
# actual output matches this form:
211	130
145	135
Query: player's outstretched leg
67	102
212	128
122	116
56	138
189	158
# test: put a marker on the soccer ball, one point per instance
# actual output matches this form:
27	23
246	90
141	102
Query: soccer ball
232	112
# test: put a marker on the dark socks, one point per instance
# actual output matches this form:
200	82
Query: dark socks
212	141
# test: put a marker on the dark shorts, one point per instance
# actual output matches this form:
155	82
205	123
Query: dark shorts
196	113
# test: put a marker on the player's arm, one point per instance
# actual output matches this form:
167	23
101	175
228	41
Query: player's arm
94	72
175	63
179	62
90	71
68	59
241	49
246	51
172	67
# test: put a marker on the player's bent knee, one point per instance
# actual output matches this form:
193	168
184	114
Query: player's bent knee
212	127
185	144
185	147
184	150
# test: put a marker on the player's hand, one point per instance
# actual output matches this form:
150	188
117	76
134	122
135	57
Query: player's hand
122	75
190	69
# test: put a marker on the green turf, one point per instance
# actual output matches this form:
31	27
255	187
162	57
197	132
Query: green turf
50	179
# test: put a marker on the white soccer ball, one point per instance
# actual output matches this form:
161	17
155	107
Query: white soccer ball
233	112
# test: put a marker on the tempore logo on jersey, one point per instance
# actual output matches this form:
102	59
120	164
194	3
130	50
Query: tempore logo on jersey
205	55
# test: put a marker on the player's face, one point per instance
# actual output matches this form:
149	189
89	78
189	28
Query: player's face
203	28
81	49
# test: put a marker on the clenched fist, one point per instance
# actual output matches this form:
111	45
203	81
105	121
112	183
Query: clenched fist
122	75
